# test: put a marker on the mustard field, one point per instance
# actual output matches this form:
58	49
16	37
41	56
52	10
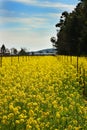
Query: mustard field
43	93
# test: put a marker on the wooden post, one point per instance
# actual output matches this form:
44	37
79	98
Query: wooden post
18	58
11	60
77	64
84	87
1	60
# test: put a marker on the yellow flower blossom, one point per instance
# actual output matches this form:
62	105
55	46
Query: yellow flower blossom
43	93
57	114
31	113
17	122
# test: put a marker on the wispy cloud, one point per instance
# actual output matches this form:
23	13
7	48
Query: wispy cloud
36	20
31	24
45	4
41	20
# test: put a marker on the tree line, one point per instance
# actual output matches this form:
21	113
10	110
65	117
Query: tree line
72	31
13	51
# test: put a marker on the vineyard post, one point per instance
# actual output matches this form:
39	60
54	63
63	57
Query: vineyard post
18	57
67	58
11	60
26	57
84	87
71	59
78	55
77	64
1	60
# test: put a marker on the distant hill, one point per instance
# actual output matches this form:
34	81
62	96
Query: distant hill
50	51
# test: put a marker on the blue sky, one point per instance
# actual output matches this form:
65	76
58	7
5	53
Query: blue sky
31	23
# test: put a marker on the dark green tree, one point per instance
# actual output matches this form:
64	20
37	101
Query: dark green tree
72	34
14	51
22	52
3	49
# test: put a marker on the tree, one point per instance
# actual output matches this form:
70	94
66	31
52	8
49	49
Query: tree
22	52
72	35
3	49
53	40
14	51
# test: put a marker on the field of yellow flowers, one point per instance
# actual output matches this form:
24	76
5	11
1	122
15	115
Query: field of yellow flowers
43	93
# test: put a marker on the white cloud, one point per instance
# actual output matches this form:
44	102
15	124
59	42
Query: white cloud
36	21
23	20
46	4
32	21
24	35
29	40
54	15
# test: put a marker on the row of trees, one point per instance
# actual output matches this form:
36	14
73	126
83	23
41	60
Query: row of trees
72	31
12	51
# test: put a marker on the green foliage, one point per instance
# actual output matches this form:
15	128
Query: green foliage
72	36
3	49
22	52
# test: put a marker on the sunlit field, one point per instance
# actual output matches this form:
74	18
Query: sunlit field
43	93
